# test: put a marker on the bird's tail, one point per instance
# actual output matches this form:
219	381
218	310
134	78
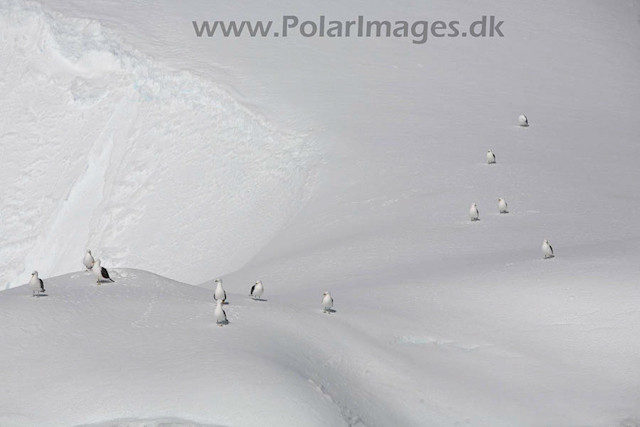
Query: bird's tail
111	279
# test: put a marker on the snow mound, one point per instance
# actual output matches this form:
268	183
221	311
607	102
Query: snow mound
105	149
145	351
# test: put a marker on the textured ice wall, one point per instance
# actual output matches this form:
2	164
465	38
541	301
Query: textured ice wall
103	148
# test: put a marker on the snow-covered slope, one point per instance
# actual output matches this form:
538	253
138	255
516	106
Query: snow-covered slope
534	344
438	321
104	148
146	347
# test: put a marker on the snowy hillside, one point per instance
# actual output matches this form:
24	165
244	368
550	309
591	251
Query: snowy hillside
146	346
495	349
102	147
315	165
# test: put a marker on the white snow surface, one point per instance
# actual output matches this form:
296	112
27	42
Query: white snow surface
319	165
103	148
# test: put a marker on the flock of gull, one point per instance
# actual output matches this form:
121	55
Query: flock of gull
474	212
220	296
257	290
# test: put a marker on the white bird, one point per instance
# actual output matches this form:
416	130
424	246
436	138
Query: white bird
220	315
257	290
36	284
474	213
88	260
100	272
547	250
502	205
219	294
327	302
491	158
523	121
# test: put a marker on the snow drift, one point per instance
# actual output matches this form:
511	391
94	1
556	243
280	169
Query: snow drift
147	347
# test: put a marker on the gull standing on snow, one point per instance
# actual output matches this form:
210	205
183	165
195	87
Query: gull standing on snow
100	272
219	294
502	205
474	213
491	158
220	315
547	250
36	284
257	290
523	121
327	302
88	260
